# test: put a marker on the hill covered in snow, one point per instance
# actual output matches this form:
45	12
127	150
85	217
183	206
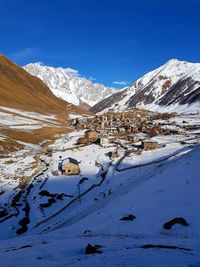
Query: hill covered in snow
142	210
175	86
68	86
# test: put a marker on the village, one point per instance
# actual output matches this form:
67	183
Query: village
100	133
134	129
89	163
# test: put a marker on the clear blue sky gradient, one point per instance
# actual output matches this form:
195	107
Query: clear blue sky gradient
110	40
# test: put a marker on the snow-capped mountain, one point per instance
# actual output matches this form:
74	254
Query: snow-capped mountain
175	86
68	86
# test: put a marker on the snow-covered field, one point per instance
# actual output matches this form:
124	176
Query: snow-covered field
18	119
67	213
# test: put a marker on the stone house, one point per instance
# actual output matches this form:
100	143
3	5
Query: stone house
103	140
134	128
91	135
136	137
82	141
144	128
121	129
111	130
149	145
112	154
70	166
178	131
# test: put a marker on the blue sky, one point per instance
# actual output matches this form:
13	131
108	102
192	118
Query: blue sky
106	40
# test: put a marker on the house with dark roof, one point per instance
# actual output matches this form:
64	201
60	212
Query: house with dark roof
70	166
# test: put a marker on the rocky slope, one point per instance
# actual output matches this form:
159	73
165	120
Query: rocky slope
70	87
175	86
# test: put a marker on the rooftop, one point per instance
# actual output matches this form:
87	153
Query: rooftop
69	160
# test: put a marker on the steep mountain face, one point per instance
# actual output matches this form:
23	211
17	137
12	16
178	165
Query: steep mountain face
174	86
70	87
21	90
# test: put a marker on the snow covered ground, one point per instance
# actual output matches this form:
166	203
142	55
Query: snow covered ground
17	119
166	192
91	211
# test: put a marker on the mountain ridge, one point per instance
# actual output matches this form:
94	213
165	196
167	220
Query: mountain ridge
69	86
174	86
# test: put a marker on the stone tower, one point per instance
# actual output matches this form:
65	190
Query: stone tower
103	122
111	121
122	116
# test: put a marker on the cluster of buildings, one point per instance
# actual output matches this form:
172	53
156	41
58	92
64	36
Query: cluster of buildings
133	127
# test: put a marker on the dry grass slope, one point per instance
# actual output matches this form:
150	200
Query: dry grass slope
21	90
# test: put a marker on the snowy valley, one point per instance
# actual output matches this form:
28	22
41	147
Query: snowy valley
119	187
124	201
100	133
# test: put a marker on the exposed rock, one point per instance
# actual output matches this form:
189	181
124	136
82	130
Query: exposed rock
93	249
83	179
22	230
179	220
129	217
22	247
23	222
3	213
87	232
147	246
48	204
46	194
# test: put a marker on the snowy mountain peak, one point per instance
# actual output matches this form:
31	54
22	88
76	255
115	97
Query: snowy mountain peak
66	83
173	60
180	64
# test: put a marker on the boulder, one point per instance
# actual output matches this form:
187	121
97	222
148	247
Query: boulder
129	217
93	249
178	220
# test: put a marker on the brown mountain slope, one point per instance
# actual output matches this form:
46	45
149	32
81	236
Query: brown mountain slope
21	90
